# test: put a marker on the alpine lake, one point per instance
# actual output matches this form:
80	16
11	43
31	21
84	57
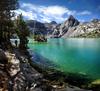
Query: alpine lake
74	55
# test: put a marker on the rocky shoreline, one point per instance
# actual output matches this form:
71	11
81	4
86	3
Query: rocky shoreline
21	74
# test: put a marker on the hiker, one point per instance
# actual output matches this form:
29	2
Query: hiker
16	43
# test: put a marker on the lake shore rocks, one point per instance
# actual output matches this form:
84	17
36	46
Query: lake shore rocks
23	75
95	85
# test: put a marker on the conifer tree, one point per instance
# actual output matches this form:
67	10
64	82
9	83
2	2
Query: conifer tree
6	24
22	31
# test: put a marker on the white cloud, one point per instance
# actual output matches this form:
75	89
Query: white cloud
55	10
86	12
44	13
47	13
26	14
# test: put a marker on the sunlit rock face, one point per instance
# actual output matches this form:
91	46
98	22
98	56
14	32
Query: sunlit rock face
64	27
71	22
72	27
83	28
9	67
14	64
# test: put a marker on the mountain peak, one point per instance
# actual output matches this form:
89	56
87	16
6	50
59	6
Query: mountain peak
53	22
95	20
71	21
71	17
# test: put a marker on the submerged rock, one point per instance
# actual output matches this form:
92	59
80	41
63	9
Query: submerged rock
96	82
95	85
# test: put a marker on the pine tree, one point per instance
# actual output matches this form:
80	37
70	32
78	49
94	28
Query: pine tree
22	32
6	24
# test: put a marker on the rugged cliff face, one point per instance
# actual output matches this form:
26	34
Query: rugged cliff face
63	28
71	22
83	28
70	28
73	28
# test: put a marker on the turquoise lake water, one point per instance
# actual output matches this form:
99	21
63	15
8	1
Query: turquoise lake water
72	54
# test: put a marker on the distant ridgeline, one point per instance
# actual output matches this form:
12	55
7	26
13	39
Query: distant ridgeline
70	28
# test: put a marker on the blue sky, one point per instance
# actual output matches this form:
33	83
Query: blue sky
59	10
